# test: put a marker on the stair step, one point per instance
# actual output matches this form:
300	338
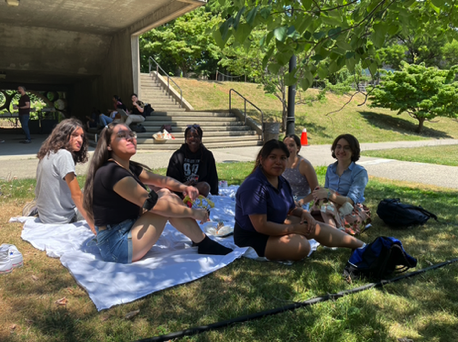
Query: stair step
189	120
173	147
207	134
209	115
205	128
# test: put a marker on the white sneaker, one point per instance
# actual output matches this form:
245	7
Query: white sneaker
14	254
6	266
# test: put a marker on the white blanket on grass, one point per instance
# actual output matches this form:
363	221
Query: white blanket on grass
171	261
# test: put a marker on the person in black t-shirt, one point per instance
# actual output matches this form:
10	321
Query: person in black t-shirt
193	164
127	218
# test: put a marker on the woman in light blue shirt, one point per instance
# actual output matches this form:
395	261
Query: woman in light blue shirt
346	182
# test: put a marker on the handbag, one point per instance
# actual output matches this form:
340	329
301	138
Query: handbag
147	110
139	128
351	219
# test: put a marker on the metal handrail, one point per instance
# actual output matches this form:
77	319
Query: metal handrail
158	67
244	103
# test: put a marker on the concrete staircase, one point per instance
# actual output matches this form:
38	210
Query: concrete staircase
220	129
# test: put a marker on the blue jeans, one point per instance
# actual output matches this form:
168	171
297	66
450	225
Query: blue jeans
24	119
115	242
105	120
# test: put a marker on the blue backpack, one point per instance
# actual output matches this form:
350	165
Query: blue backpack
379	259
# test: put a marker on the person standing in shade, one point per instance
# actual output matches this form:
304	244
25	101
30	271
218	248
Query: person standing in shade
24	113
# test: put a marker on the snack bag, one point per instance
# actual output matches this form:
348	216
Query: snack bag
200	202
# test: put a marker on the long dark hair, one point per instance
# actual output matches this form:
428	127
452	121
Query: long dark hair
267	149
60	139
296	139
354	146
100	157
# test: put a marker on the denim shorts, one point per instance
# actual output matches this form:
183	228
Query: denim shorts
115	242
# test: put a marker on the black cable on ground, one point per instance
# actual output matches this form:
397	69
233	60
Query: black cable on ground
290	307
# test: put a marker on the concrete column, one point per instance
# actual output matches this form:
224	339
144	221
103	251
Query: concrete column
135	46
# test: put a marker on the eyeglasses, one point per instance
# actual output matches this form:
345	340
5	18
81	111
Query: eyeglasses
194	126
126	135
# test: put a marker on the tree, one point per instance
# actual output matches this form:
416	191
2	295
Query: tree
183	43
248	61
424	93
420	45
331	34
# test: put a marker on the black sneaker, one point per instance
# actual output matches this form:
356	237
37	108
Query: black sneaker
25	141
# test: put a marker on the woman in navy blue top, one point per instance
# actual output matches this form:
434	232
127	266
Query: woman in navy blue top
267	219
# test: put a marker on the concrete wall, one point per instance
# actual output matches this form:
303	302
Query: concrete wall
116	79
44	55
46	45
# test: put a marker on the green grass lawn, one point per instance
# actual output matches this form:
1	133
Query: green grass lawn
367	124
422	308
442	155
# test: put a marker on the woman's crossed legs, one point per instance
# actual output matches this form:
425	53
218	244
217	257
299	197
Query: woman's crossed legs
297	247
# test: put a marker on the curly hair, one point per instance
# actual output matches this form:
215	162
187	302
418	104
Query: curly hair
60	139
354	146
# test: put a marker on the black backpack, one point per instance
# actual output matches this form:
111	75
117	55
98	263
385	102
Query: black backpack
138	128
379	259
398	215
147	110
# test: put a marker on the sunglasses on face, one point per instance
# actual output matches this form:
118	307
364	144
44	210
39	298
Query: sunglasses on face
126	135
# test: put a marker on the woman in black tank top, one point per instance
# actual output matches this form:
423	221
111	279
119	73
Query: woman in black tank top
128	219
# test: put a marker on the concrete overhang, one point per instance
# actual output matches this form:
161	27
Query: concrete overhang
67	41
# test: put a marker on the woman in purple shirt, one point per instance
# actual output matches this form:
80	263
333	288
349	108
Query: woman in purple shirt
346	181
267	219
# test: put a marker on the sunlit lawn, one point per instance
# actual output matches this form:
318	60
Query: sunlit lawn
443	155
367	124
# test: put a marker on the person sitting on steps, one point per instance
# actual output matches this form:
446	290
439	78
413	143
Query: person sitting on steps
136	114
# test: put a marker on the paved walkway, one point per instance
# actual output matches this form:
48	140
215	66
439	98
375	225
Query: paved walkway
19	160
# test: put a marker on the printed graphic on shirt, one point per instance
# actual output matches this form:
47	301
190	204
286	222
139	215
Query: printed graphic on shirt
191	168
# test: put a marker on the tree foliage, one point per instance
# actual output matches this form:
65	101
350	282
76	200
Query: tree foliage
426	45
330	34
182	44
423	92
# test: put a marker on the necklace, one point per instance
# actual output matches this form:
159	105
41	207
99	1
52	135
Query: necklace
111	159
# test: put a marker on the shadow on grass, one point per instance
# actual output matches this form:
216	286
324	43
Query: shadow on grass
311	128
397	124
35	299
